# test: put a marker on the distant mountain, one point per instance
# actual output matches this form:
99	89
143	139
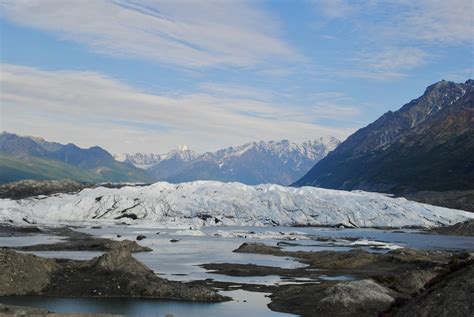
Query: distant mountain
426	145
34	158
280	162
145	161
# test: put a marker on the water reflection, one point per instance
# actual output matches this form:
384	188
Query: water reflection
244	304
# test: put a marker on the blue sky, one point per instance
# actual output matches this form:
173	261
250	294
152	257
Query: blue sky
148	75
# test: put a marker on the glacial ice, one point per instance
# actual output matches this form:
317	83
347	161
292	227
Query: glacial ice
211	203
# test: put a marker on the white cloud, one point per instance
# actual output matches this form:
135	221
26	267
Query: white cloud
91	109
185	33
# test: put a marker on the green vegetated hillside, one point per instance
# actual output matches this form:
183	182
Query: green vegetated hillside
34	158
12	169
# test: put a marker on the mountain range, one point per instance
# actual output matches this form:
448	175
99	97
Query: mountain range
427	145
425	148
277	162
23	157
282	162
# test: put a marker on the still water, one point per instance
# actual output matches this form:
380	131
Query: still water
244	304
181	260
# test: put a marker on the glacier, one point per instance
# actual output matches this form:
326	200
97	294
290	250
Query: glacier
212	203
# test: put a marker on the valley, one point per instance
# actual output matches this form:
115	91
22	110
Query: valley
379	224
236	158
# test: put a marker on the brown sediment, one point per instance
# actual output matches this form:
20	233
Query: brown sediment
114	274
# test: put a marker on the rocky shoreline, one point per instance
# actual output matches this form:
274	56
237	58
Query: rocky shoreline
73	241
381	281
465	228
377	283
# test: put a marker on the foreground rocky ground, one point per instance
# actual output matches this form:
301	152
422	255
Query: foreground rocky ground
114	274
386	284
11	310
403	282
449	294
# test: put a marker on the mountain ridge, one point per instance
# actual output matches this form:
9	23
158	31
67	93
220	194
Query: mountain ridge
427	144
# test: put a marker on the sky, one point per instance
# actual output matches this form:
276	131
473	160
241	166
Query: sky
149	75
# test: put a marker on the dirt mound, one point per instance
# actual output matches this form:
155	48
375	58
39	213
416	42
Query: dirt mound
258	248
120	260
355	298
465	228
451	296
114	274
22	274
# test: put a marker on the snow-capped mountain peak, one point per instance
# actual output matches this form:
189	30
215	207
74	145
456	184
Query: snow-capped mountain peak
147	160
182	152
182	148
280	162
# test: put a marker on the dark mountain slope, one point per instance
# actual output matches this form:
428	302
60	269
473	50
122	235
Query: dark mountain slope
426	145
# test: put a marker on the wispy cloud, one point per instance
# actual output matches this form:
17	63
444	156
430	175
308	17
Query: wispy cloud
184	33
433	21
459	75
389	63
337	9
333	105
89	108
334	111
234	90
392	59
399	35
